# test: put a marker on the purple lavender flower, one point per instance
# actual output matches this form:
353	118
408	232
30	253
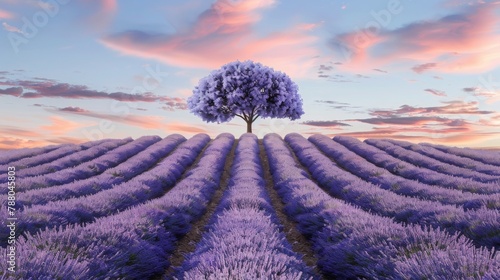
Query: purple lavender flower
247	90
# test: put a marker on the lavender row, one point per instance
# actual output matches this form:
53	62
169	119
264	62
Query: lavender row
18	154
439	155
380	176
87	169
244	239
134	244
351	243
43	158
69	160
121	173
484	156
344	185
410	165
146	186
74	159
25	158
436	167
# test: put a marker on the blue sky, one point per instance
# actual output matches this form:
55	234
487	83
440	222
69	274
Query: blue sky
422	71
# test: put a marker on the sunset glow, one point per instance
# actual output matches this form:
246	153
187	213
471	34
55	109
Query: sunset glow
73	71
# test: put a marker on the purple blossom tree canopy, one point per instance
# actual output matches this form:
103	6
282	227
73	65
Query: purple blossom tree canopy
247	90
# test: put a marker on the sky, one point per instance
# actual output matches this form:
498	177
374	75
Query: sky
73	71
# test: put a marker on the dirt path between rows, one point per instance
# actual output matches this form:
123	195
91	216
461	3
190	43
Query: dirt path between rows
187	244
299	243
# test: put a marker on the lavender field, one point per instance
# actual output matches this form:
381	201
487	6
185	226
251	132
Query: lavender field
248	208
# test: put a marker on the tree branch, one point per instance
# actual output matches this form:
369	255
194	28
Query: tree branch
238	115
253	110
245	117
254	118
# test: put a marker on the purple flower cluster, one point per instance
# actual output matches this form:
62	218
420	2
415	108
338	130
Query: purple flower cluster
89	168
351	243
421	167
126	170
133	244
380	176
9	156
43	158
68	161
75	159
449	158
245	88
484	156
244	240
411	165
343	185
141	188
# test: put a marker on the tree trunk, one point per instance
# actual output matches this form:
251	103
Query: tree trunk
249	126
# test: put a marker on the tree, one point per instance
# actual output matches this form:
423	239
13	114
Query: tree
247	90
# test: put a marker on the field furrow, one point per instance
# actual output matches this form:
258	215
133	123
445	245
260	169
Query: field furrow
448	158
7	157
347	187
397	164
119	174
146	186
68	161
44	158
369	172
133	244
73	160
244	238
484	156
351	243
424	168
87	169
274	208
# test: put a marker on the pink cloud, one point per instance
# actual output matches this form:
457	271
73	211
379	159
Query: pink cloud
490	94
463	43
11	28
494	121
221	34
423	67
438	136
453	132
95	15
353	47
420	124
450	108
40	88
13	91
9	143
6	14
60	126
175	103
18	132
328	124
73	109
183	128
54	132
428	124
431	130
109	6
379	70
98	14
435	92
